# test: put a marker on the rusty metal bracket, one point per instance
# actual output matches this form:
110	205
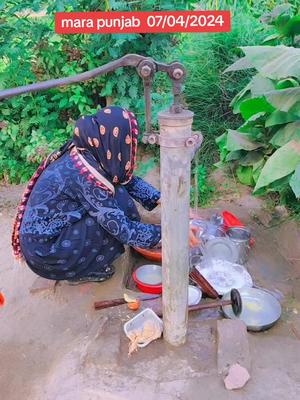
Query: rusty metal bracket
193	142
146	70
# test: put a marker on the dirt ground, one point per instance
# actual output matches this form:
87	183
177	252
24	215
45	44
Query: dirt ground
54	346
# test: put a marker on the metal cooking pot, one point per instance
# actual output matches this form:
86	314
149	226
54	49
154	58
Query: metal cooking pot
240	237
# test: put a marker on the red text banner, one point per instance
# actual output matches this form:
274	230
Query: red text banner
142	22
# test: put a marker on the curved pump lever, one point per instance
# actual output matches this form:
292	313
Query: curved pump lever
130	60
146	68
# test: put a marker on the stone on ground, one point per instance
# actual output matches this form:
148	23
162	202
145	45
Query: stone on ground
237	377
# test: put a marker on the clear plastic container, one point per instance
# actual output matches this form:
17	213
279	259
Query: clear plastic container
138	321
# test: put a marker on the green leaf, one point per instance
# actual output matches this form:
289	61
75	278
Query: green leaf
271	38
280	117
253	126
269	17
234	155
237	104
250	107
133	91
251	158
5	111
281	23
295	181
286	83
285	134
260	85
245	175
241	64
238	141
292	27
274	62
281	163
241	94
286	99
257	168
63	102
221	142
279	185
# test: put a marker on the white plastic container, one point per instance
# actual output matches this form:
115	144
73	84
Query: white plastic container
139	320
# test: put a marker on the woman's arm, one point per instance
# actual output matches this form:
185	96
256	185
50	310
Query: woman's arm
102	206
143	192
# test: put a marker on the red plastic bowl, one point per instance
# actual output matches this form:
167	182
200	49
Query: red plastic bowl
146	287
150	254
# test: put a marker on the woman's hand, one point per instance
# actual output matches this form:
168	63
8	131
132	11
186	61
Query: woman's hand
193	240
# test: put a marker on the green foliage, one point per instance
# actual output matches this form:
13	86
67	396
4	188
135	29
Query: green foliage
285	22
266	147
251	7
208	91
30	51
202	189
295	182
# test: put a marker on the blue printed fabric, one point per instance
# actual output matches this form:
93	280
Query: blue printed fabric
71	227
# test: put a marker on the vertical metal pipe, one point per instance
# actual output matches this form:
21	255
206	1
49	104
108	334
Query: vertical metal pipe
147	94
175	196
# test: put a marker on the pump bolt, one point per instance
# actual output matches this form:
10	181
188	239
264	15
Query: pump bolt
177	73
190	142
146	71
152	139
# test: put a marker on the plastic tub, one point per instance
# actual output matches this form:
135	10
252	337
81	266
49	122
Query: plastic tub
148	278
150	254
138	321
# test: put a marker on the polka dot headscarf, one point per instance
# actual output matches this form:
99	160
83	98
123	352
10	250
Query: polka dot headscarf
108	140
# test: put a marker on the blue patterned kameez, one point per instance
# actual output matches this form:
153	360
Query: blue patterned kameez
71	227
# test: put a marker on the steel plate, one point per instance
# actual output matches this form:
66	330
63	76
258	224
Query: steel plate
224	275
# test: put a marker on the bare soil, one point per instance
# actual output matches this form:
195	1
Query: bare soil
54	346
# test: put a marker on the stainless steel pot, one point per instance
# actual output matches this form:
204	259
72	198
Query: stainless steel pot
240	237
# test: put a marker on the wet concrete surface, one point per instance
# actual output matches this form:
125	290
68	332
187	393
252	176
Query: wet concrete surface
55	346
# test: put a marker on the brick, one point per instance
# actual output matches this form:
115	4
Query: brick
233	345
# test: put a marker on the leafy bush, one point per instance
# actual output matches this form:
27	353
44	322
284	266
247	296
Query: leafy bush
34	124
207	90
285	22
266	147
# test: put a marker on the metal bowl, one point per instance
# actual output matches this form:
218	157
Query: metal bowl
260	309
